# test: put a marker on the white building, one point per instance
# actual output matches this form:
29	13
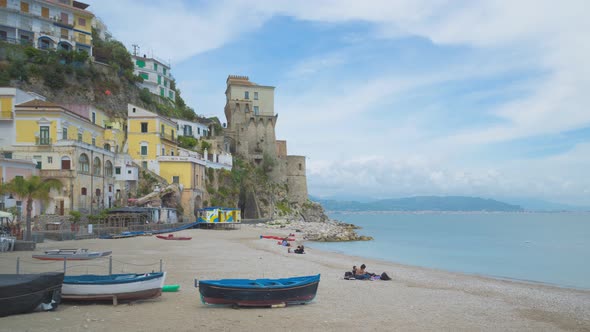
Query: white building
47	24
191	129
156	76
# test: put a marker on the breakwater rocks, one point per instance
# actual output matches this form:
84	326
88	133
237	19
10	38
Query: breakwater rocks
329	231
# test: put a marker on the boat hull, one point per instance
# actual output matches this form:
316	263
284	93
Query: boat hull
298	294
136	290
72	256
22	293
177	238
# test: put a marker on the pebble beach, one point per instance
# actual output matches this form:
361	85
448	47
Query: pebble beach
416	299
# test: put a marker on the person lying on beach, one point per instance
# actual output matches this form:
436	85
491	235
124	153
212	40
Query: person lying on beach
361	273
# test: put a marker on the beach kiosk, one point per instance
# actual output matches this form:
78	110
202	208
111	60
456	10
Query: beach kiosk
216	216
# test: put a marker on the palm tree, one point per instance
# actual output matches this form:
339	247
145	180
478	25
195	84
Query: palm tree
30	189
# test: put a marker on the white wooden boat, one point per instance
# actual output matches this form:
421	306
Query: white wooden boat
71	254
114	287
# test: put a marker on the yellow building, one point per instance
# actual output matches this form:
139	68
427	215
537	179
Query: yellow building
149	136
67	146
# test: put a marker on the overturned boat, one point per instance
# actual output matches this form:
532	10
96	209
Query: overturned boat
114	287
22	293
71	254
259	292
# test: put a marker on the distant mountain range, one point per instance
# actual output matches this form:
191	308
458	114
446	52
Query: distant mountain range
422	203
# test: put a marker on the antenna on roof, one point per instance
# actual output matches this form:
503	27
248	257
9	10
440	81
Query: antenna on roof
135	49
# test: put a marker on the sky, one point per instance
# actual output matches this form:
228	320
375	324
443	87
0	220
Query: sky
391	98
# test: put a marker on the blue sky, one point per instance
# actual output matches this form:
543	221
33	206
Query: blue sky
395	98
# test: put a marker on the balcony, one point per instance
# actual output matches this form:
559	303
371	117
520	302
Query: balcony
23	42
57	173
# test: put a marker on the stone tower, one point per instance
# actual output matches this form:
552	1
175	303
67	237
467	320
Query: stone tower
251	122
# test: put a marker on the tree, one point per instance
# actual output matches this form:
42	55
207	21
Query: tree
30	189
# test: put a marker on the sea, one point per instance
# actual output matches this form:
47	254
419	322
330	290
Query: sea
550	248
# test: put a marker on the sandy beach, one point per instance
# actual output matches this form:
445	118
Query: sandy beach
417	299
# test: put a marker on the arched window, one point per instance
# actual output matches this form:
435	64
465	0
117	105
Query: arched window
108	168
96	166
83	164
107	146
83	191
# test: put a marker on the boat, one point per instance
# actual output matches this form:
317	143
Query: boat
22	293
71	254
172	237
259	292
114	287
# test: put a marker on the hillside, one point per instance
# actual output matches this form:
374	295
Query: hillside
70	77
422	203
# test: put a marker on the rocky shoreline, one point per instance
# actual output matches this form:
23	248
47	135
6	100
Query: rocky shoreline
327	231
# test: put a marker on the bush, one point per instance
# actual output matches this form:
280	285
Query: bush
146	96
55	78
187	142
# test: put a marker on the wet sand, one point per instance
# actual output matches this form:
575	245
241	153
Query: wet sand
417	299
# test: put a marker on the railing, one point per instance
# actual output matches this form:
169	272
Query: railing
42	141
168	137
24	42
57	173
6	115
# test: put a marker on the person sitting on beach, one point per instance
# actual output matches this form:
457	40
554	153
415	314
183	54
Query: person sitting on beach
300	250
285	243
361	273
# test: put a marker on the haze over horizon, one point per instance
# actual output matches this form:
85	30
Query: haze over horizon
395	98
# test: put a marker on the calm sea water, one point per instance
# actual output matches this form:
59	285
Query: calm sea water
550	248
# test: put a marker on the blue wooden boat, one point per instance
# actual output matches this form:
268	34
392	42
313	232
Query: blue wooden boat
21	293
259	292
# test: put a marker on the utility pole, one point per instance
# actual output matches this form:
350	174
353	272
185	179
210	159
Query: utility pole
135	49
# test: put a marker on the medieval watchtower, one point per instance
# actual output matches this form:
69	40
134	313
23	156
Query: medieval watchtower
251	122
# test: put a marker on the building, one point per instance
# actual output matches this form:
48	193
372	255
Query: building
149	136
10	169
191	128
156	75
47	24
250	133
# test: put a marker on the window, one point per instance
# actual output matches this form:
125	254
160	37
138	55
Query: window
65	162
83	192
162	130
44	135
64	133
170	95
64	33
159	79
166	83
144	127
256	110
3	3
96	166
117	170
94	117
97	192
140	63
255	95
162	92
171	152
144	164
246	95
164	71
199	131
155	66
83	164
64	18
144	150
108	168
82	21
24	7
129	171
7	155
94	141
145	76
163	151
175	179
107	146
45	12
50	160
39	165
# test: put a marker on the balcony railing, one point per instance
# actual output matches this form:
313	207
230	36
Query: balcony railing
56	173
24	42
42	141
6	115
168	137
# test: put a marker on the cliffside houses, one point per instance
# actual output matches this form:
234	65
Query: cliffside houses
156	75
96	157
47	24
